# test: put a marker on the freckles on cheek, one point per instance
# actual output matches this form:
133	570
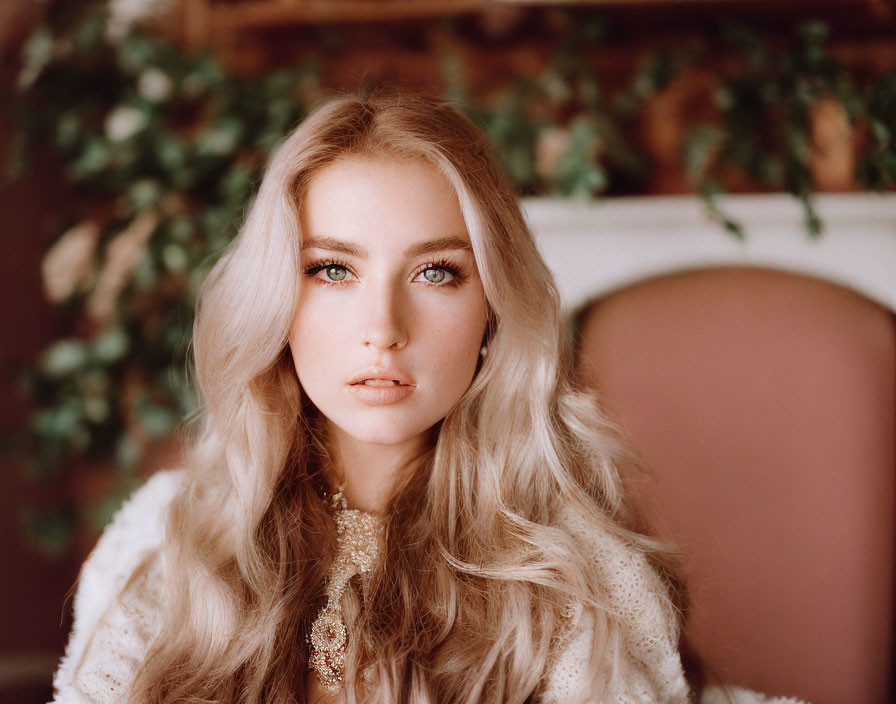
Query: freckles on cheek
464	327
313	313
458	345
333	326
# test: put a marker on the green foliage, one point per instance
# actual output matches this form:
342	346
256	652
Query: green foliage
152	139
51	530
578	172
600	153
766	103
513	133
877	167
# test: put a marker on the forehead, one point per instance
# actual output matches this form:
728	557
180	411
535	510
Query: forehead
373	201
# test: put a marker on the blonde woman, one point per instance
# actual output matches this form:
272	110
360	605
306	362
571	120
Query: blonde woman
395	493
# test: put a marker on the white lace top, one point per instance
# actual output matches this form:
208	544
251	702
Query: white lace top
119	596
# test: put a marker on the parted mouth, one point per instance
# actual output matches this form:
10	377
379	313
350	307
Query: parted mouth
381	377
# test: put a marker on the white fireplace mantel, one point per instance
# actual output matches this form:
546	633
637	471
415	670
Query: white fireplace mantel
595	248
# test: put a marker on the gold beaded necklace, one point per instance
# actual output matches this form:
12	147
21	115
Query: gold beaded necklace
357	540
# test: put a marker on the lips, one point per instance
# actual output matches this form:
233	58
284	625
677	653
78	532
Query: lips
380	376
381	387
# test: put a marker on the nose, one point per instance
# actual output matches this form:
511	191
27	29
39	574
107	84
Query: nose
384	319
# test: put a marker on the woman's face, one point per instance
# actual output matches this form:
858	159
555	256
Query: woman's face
391	312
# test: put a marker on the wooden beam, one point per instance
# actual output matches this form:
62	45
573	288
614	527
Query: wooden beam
202	19
258	15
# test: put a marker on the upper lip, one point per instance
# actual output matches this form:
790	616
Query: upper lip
382	373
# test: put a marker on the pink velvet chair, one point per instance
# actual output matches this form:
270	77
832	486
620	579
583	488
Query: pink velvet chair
765	404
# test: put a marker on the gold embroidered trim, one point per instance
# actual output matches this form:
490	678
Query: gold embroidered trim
357	539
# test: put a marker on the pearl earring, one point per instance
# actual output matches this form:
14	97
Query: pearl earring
483	351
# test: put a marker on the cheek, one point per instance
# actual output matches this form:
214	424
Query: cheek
313	337
455	345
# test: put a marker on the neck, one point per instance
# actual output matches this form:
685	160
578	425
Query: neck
367	471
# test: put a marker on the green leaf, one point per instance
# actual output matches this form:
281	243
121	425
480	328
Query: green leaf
237	183
733	228
90	33
97	410
156	421
36	54
175	258
111	345
94	382
145	275
219	140
95	157
205	77
699	146
577	173
170	151
881	131
137	52
53	531
127	453
709	190
181	228
101	512
68	129
59	422
144	193
64	358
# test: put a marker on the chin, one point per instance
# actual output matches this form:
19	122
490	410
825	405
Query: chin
386	436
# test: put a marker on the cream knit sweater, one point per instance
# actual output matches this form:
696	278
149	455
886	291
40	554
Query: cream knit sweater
119	597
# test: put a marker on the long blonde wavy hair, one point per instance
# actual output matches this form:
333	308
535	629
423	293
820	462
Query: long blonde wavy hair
478	560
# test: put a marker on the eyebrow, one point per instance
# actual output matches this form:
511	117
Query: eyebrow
441	244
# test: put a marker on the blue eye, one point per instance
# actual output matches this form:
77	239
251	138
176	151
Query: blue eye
435	275
328	272
335	272
439	275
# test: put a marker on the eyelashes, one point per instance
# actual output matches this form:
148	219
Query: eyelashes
457	273
315	267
